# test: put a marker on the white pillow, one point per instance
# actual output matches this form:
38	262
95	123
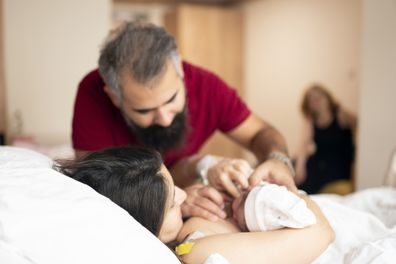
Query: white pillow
47	218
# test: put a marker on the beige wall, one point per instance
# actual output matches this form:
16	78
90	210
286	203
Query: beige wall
152	12
49	45
291	43
2	87
377	135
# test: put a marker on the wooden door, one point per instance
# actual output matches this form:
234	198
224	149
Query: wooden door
211	37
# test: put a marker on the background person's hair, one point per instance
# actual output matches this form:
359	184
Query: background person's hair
139	49
305	108
130	177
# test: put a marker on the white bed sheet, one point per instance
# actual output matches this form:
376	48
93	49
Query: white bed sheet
364	224
47	218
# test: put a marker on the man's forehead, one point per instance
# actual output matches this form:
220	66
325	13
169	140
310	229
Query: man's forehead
152	94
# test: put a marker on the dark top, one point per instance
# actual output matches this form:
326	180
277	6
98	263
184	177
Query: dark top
333	157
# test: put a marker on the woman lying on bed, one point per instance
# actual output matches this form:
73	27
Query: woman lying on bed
136	180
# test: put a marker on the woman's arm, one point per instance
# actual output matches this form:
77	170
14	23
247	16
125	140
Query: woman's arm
347	119
279	246
306	138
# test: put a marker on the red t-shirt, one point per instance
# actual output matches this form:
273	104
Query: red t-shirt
98	124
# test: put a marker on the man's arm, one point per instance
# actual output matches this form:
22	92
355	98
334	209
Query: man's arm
270	149
260	137
231	175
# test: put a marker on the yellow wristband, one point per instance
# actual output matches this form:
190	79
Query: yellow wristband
183	249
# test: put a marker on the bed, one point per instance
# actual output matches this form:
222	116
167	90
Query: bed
364	224
46	218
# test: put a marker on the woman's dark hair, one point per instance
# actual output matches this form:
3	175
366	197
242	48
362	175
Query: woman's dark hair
129	176
321	89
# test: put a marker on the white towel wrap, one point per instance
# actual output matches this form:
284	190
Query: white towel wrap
270	206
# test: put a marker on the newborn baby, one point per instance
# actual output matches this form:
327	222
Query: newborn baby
270	206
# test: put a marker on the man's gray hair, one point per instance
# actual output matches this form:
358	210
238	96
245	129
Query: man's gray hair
139	49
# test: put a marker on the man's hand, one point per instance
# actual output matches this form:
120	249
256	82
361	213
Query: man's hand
273	171
230	175
203	201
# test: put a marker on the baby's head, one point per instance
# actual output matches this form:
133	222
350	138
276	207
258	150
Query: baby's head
270	206
238	211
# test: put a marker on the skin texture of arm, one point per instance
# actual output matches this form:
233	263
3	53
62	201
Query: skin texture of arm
253	134
306	139
347	119
278	246
262	139
258	136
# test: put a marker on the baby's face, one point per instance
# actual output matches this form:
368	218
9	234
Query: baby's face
238	211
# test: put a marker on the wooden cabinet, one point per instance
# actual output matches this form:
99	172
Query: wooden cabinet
211	37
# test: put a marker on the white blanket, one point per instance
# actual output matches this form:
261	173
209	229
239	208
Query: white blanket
365	226
48	218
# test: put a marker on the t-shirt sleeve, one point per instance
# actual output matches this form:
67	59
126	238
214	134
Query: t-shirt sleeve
92	116
230	109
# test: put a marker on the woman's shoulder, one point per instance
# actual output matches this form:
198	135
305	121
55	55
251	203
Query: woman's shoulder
346	119
207	227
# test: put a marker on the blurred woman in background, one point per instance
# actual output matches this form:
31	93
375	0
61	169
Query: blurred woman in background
330	129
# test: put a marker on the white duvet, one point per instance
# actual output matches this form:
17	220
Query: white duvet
365	226
76	225
48	218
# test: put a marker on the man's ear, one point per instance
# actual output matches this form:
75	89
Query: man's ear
113	97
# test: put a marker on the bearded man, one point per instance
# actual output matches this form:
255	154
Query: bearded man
144	94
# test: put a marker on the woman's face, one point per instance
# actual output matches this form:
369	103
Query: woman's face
318	102
173	220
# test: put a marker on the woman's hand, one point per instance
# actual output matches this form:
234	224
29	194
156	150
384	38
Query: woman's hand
203	201
273	171
230	175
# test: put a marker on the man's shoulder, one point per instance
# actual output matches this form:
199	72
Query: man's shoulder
91	80
200	80
197	74
91	86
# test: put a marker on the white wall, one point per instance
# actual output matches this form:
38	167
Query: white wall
377	135
291	43
2	87
48	46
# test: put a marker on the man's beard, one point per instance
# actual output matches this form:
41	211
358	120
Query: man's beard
159	137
